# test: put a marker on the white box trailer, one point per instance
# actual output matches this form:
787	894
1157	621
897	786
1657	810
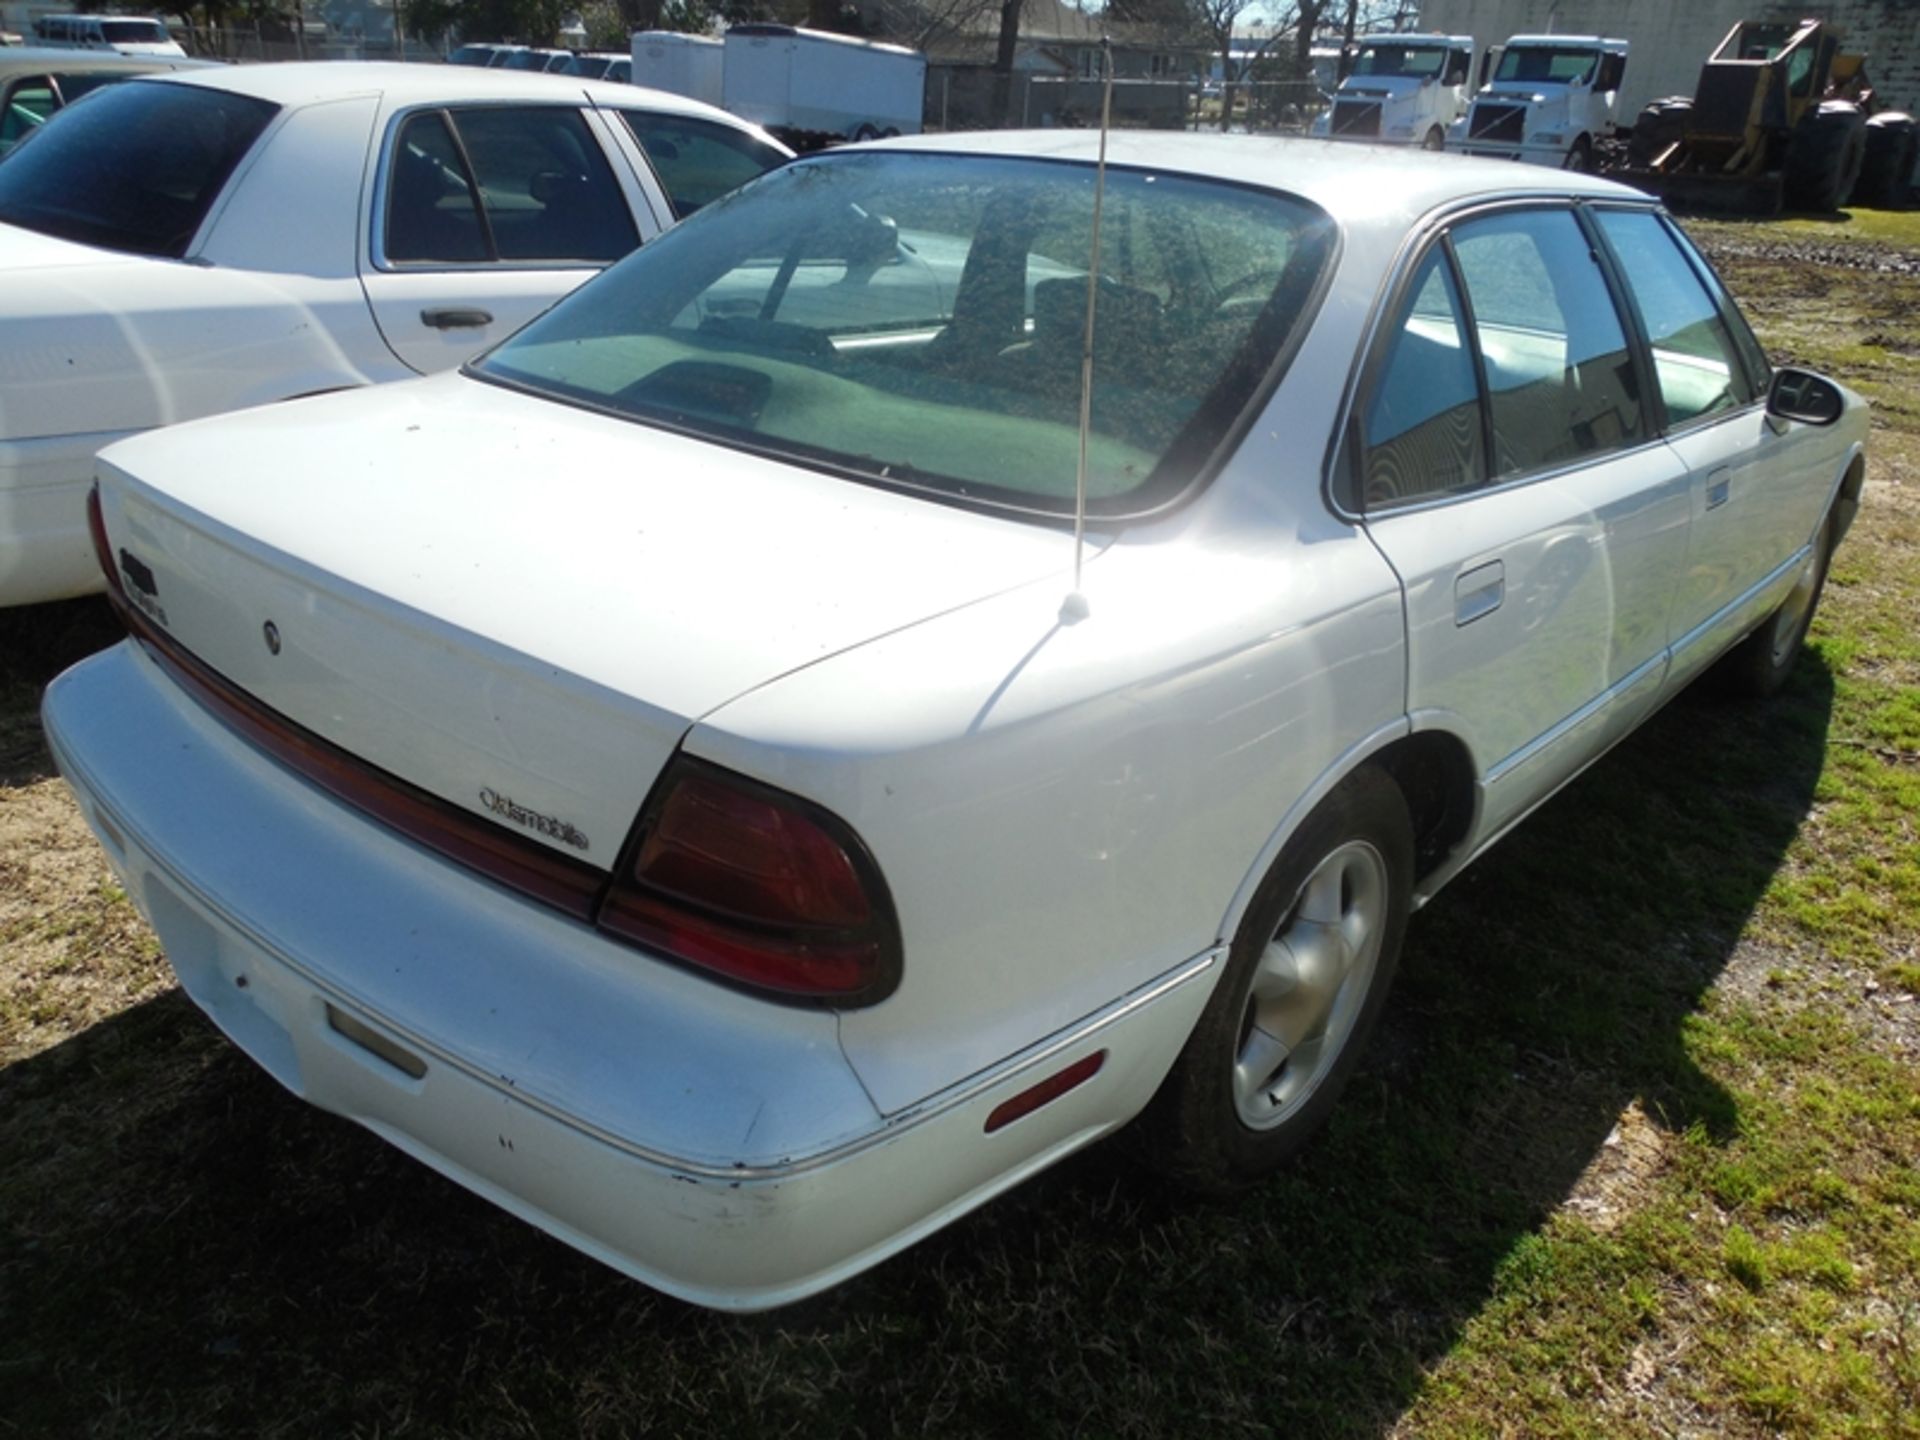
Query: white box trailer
690	65
808	82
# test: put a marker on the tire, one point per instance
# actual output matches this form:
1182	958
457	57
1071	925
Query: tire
1658	125
1886	169
1580	157
1824	157
1314	959
865	132
1759	665
1435	140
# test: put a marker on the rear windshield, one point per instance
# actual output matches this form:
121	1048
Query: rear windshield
918	320
132	167
134	32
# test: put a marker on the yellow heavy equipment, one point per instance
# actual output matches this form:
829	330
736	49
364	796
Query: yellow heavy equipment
1782	116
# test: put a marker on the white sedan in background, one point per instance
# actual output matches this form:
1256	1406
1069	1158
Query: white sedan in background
178	247
659	775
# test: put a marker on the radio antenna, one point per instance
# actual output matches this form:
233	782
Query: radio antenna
1074	607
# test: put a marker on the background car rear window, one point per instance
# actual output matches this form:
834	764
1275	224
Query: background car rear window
1561	381
698	161
509	183
28	104
895	316
132	167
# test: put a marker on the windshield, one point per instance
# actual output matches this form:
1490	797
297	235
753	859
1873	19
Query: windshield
1417	61
1554	65
132	167
918	320
134	32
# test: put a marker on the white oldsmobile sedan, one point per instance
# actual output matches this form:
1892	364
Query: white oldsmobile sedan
665	777
233	236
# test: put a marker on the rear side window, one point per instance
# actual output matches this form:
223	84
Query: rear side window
1423	426
1561	382
136	167
28	104
1694	357
524	183
698	161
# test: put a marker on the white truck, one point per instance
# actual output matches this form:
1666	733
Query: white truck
1402	90
1551	101
689	65
809	85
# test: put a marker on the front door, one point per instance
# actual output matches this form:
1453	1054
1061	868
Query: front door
1756	484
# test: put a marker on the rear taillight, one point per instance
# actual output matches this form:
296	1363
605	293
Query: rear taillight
758	886
102	551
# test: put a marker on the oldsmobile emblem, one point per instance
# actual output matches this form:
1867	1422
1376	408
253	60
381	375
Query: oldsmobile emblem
547	825
271	632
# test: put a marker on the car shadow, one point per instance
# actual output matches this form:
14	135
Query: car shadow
37	642
188	1244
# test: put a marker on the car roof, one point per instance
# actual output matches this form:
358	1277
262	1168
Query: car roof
313	81
1350	182
42	59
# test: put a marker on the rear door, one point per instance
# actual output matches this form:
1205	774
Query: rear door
484	215
1509	472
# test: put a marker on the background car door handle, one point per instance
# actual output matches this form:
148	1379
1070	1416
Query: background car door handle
1719	484
455	318
1479	592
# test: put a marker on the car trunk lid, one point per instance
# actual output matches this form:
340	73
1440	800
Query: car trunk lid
515	606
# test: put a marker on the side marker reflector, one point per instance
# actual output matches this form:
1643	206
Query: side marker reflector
1046	1092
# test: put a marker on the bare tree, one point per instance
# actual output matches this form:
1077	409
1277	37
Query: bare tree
1009	42
1219	18
922	23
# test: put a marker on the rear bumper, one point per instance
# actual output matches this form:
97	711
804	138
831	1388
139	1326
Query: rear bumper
44	550
709	1144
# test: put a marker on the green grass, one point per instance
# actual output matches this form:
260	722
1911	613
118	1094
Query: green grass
1637	1151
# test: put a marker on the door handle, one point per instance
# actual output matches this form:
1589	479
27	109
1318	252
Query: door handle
1719	488
455	318
1478	592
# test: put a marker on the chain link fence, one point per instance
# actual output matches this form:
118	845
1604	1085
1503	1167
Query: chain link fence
966	97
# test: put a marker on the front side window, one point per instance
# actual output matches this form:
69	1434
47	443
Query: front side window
133	167
507	183
917	320
1423	430
1561	382
698	161
1694	358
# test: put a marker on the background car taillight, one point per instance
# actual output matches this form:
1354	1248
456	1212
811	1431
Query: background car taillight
102	549
758	886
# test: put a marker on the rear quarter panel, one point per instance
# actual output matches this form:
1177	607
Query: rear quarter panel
1064	811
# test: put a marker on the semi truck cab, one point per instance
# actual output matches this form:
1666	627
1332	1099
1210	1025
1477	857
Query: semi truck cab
1551	100
1402	90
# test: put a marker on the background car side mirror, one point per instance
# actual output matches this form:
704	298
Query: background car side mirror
1804	396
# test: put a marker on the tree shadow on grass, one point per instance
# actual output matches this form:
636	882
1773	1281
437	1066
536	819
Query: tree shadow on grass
189	1249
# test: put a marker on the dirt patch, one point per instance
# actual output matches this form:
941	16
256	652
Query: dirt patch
1846	255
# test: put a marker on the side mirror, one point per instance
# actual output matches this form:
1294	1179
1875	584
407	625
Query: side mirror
1804	396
